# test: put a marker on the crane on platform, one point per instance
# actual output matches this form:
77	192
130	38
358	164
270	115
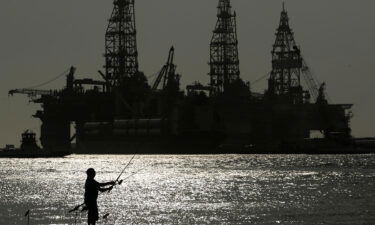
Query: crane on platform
311	81
31	93
167	72
315	87
289	67
34	93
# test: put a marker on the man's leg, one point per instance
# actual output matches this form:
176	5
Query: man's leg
93	215
91	222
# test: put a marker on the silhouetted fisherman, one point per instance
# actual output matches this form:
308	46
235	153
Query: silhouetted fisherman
92	188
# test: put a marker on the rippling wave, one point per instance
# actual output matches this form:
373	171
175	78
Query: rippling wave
215	189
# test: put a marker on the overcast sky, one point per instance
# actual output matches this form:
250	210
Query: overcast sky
41	38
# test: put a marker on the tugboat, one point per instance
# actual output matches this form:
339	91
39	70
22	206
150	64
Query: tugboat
28	149
28	142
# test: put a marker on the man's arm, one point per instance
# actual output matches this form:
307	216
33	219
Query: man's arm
107	183
105	189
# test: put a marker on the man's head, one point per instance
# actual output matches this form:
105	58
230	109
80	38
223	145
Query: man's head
91	173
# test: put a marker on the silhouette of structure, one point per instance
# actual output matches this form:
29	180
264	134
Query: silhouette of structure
28	142
121	43
224	63
125	114
285	80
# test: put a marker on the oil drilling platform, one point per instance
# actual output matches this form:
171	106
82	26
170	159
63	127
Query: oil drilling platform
123	114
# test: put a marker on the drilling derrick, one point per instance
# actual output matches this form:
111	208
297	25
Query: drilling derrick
224	63
120	44
287	64
123	114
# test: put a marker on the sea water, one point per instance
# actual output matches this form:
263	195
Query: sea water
204	189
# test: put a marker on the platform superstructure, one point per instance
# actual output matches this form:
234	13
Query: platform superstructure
123	113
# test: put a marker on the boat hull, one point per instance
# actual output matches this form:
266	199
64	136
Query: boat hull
207	146
22	154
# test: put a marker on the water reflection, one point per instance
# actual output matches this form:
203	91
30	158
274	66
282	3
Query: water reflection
221	189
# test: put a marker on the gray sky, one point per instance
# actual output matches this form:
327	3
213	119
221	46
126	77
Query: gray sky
41	38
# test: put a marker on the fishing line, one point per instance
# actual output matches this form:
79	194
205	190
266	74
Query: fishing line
78	206
119	182
123	170
133	174
81	207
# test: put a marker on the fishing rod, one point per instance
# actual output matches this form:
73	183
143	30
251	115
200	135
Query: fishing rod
105	217
27	214
117	181
125	168
121	181
76	208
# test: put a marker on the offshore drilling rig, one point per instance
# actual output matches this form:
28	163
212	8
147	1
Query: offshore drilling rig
124	114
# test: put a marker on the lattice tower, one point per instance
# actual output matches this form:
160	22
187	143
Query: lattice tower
224	63
286	60
121	44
